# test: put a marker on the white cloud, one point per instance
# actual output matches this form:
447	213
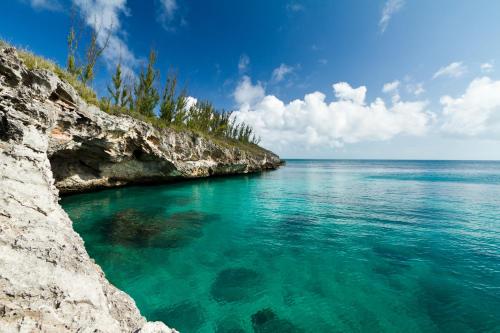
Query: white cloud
393	89
391	86
44	4
103	16
243	63
476	112
190	101
313	122
418	89
487	67
455	69
247	94
391	7
280	72
344	92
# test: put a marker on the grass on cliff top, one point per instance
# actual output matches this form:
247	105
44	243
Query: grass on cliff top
159	124
33	61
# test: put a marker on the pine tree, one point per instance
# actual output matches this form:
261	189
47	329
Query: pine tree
181	108
146	94
116	91
71	65
94	51
168	102
126	100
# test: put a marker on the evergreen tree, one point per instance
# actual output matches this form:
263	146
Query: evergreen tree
146	94
168	102
181	108
126	99
94	51
71	65
116	91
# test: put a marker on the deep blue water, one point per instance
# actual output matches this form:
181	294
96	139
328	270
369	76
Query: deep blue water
316	246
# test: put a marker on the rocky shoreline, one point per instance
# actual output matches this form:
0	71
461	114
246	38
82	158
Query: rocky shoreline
52	142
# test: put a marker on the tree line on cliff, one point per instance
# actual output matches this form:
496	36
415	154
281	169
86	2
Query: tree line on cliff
140	96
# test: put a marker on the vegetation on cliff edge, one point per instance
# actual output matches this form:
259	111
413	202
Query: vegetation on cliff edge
139	97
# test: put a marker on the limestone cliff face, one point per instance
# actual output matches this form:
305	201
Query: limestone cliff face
90	149
51	141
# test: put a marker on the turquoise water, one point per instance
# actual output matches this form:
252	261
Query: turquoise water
317	246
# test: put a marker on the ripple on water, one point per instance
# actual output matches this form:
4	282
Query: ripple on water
320	244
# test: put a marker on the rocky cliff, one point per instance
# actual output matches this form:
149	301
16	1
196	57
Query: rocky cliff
50	142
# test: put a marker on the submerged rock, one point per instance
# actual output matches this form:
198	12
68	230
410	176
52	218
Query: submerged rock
136	228
186	316
266	321
235	284
263	316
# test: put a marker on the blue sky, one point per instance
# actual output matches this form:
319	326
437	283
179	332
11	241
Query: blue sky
262	58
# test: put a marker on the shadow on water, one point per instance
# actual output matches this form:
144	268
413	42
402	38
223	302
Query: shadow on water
136	228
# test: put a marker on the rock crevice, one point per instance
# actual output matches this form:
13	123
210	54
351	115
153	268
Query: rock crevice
51	141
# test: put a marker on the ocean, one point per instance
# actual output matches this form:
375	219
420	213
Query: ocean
316	246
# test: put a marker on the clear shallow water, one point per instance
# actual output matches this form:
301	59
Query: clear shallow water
317	246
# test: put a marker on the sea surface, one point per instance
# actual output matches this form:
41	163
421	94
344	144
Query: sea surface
316	246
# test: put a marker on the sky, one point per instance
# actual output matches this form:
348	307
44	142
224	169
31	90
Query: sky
372	79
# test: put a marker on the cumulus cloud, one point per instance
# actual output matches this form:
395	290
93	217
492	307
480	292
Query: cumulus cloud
103	16
44	4
476	112
391	86
280	72
247	94
487	67
343	91
314	122
391	7
393	89
455	69
243	63
190	101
